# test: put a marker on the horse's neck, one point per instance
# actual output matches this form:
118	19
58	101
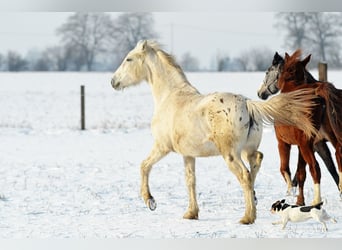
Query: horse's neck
295	85
168	81
308	77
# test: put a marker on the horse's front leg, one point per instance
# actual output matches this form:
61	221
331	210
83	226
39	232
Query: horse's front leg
300	178
189	163
145	169
284	153
308	155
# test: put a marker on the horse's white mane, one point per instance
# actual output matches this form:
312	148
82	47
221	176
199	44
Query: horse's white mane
166	57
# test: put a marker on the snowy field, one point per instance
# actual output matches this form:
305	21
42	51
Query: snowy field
59	182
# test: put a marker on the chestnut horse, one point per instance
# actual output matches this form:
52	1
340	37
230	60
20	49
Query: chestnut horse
292	74
268	88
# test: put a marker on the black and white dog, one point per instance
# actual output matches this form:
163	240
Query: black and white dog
296	213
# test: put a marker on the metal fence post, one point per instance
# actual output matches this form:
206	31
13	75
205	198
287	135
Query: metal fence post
82	108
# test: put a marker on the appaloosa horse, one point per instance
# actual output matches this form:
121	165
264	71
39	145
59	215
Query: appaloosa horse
196	125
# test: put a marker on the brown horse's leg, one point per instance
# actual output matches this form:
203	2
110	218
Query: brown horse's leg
300	178
284	153
339	163
307	153
322	149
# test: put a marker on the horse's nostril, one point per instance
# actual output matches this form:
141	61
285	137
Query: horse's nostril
114	83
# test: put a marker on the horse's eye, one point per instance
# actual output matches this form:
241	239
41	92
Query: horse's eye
129	59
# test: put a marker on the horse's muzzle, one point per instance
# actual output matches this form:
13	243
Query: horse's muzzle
115	84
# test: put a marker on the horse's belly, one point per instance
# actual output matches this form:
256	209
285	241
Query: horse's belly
289	134
195	147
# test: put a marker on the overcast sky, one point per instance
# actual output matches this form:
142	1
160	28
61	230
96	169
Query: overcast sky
203	34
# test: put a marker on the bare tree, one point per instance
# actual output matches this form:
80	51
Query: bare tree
189	62
295	24
325	29
57	58
15	62
128	29
2	62
255	59
317	33
84	35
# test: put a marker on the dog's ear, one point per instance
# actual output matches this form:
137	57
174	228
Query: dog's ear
282	201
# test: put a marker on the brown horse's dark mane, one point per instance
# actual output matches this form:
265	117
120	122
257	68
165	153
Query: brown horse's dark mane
333	100
292	60
293	73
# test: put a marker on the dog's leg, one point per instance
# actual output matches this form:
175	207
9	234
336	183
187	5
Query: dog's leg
277	222
284	223
324	226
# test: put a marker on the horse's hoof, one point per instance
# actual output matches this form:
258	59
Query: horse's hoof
151	203
247	221
191	216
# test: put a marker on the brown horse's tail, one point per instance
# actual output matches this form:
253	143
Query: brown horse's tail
292	108
333	101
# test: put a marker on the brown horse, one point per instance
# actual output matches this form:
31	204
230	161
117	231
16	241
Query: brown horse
294	76
270	87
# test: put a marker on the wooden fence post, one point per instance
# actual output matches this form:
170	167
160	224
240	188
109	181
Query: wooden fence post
322	72
82	108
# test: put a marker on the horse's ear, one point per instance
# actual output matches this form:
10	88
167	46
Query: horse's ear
286	56
277	59
282	201
142	45
306	60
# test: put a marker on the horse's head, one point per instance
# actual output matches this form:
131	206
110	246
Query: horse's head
294	71
132	70
270	83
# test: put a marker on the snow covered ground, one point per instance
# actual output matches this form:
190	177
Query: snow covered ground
59	182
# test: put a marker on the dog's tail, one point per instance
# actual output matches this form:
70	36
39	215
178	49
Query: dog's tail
319	205
324	202
325	215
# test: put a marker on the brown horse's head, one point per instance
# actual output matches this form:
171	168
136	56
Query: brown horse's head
294	72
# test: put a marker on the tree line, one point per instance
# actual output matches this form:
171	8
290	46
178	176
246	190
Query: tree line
87	40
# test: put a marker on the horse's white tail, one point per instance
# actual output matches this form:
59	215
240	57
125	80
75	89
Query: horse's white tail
292	108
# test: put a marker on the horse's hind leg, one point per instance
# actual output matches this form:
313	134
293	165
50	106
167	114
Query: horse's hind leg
322	149
339	163
300	178
238	168
254	160
145	168
189	163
